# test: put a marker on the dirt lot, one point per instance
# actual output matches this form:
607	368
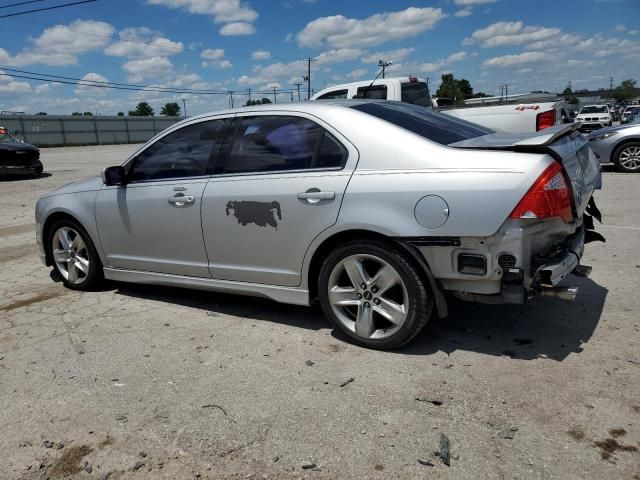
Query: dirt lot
164	383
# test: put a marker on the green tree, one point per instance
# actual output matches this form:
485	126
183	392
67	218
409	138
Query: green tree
41	113
625	91
263	101
465	88
449	88
88	114
75	114
479	95
121	114
171	109
143	109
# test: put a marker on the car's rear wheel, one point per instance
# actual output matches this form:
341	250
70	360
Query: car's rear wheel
627	157
372	292
74	256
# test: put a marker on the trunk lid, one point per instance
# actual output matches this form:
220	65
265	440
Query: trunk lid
564	143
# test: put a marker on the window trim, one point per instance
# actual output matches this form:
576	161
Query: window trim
225	152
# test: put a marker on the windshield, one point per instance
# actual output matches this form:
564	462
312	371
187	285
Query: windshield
594	109
416	93
6	137
435	126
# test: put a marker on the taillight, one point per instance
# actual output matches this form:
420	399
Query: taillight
545	120
548	197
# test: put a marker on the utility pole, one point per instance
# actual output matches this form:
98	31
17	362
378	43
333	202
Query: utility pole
184	106
384	65
506	91
231	98
610	83
291	96
249	90
275	99
307	78
297	85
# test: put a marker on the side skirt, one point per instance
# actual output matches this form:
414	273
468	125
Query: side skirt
290	295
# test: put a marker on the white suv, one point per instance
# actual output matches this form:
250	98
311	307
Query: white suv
594	117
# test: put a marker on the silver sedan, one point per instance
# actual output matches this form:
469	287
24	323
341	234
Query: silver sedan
618	145
378	210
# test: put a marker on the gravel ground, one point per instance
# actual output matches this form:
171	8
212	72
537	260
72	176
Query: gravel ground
154	383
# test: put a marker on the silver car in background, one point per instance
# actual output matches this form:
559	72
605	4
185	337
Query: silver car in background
377	209
618	145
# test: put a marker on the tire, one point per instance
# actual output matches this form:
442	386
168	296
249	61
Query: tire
389	307
626	157
74	255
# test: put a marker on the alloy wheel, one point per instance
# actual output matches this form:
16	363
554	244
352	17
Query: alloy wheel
70	255
630	158
368	296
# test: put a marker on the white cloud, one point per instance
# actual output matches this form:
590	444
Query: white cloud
92	78
44	88
215	58
620	28
510	33
357	74
9	86
237	28
340	31
143	42
465	12
260	55
633	32
223	11
213	54
147	67
394	55
62	44
520	59
338	55
442	63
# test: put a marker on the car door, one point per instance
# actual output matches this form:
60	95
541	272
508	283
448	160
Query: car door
153	222
281	184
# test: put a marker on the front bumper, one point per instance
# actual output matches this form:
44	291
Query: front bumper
593	126
31	168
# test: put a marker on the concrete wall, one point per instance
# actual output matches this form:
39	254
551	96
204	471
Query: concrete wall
58	131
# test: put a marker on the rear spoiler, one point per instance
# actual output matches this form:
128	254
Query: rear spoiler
501	141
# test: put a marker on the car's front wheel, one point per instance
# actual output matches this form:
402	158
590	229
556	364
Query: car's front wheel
74	256
627	157
373	293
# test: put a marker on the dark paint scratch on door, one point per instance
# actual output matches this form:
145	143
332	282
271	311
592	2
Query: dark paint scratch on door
260	213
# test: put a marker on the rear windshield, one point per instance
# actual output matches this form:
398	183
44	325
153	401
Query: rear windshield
435	126
416	93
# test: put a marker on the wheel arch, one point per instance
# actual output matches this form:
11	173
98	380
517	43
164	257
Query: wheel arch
331	242
46	230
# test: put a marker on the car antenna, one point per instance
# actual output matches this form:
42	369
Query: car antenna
366	90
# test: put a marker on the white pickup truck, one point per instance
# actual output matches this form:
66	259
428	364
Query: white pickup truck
516	113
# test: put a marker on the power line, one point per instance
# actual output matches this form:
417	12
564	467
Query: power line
64	5
83	83
21	3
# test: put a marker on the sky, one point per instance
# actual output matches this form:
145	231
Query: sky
236	45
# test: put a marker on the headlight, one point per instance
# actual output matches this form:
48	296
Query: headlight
604	136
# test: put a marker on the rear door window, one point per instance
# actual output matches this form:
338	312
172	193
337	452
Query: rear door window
272	143
378	92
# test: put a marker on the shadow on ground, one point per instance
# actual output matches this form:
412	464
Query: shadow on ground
547	328
15	178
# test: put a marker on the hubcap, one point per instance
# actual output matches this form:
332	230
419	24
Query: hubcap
358	280
70	255
630	158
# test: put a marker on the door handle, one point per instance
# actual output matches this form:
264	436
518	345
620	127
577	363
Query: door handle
181	201
315	196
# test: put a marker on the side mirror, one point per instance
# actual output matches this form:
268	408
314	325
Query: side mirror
114	176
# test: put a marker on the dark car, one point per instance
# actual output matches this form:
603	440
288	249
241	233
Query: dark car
16	157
